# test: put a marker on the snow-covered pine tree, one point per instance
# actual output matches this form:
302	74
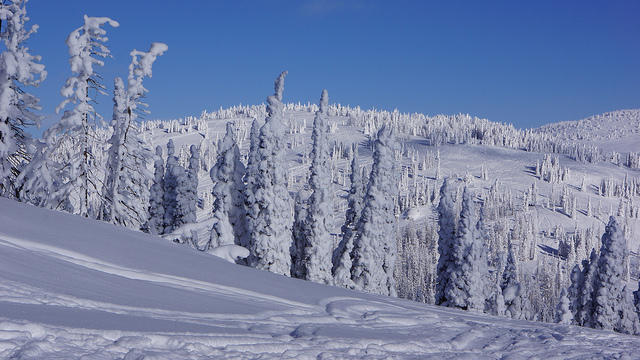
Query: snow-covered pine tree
155	223
187	190
468	267
228	190
173	172
629	322
610	310
342	255
318	245
563	311
39	182
447	215
510	286
585	291
86	50
113	207
269	205
18	70
126	186
574	291
299	234
253	158
374	247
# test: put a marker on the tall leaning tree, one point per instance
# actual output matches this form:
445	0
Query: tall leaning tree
125	192
87	50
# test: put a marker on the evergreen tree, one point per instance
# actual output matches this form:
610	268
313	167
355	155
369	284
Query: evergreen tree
187	190
173	174
446	235
317	240
18	70
126	185
342	255
510	286
299	234
574	291
610	301
39	182
269	203
563	311
468	269
251	179
585	301
228	209
112	209
155	224
253	160
86	50
374	248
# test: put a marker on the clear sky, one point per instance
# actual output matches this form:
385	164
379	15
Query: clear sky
522	62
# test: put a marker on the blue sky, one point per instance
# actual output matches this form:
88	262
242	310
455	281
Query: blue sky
522	62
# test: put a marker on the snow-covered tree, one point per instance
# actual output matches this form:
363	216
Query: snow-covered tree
318	245
86	50
447	215
253	160
611	311
228	190
39	181
269	204
155	223
510	286
299	234
467	270
584	309
114	207
563	311
374	247
187	190
125	191
173	174
342	255
573	293
19	69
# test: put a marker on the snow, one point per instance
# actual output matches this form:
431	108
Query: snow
104	292
230	252
611	131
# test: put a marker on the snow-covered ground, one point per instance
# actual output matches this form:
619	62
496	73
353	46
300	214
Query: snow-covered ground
611	131
72	288
513	168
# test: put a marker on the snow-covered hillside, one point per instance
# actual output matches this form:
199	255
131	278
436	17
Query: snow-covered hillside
72	288
612	131
546	194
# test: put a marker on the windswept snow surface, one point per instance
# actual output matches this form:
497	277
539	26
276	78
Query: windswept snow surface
72	288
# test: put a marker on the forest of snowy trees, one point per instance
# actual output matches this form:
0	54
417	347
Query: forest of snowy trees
471	254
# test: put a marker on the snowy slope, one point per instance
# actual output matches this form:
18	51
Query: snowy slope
512	167
611	131
72	288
